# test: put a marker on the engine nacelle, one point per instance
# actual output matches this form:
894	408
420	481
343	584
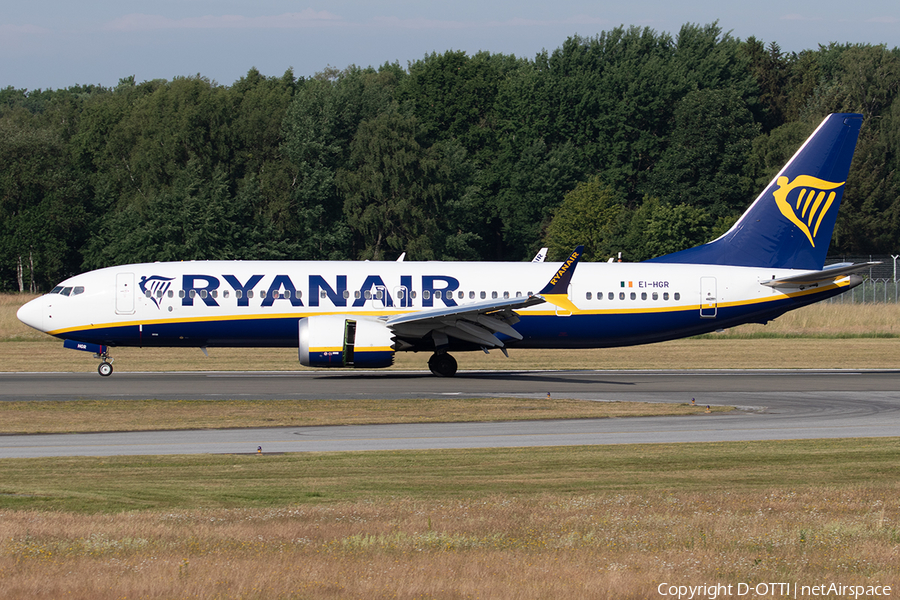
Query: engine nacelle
345	341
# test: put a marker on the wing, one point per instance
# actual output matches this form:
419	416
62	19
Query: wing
480	322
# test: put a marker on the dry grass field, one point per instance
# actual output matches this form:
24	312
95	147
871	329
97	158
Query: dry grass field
596	522
566	546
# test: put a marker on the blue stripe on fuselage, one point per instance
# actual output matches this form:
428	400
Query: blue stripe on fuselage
594	330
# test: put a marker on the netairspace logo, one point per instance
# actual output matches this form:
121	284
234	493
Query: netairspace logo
776	589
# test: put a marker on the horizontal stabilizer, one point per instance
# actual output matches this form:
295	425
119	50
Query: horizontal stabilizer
826	275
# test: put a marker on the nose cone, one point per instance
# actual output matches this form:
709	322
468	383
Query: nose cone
32	313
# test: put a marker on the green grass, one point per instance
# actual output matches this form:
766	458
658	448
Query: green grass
116	484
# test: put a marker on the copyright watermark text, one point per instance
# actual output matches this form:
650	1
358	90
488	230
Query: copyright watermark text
777	589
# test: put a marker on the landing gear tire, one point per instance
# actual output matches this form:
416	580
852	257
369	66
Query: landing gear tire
442	365
105	369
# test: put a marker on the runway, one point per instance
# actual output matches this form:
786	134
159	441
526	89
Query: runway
774	405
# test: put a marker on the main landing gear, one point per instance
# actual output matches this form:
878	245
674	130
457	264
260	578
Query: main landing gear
442	364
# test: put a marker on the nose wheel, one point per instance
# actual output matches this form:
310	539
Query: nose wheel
105	368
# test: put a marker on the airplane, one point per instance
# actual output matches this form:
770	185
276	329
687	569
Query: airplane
359	314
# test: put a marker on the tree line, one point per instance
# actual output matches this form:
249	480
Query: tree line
630	141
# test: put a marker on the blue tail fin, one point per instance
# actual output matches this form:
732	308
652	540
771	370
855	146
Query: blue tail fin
790	224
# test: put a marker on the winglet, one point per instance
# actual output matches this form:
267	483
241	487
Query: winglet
557	289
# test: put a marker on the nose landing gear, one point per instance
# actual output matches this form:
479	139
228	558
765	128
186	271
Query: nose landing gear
105	369
102	352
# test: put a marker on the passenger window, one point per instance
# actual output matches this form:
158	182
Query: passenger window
357	294
643	295
611	296
621	295
494	295
368	294
286	294
224	293
346	294
159	293
214	294
461	295
400	294
170	294
426	295
299	293
203	294
633	296
588	296
181	293
677	296
412	294
262	293
665	295
193	293
519	295
249	293
655	295
323	294
238	294
506	294
148	293
471	295
483	295
379	294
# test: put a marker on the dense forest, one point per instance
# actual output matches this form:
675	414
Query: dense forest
631	141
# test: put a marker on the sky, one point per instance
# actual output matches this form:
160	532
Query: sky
53	44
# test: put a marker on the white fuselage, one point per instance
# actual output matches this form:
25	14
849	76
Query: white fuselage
257	304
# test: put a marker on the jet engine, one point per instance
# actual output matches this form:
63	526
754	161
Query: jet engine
345	341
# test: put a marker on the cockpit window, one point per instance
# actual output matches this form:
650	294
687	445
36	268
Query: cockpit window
68	291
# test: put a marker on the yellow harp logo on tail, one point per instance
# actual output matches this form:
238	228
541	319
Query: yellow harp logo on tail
805	201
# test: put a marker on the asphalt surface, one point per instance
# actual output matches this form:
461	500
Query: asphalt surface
774	405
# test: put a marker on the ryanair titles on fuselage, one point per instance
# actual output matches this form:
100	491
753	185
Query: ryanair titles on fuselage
282	288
